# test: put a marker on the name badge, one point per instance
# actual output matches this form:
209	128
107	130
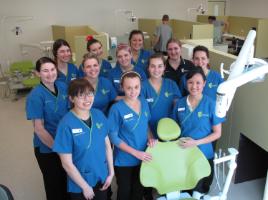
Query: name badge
150	100
128	116
181	109
77	130
116	81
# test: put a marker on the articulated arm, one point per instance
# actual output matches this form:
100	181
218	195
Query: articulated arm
243	70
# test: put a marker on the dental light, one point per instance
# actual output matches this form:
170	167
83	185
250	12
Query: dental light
243	70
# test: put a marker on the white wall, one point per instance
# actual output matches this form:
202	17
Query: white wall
249	8
97	13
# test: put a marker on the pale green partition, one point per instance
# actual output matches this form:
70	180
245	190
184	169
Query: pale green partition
204	18
241	25
148	25
202	31
262	39
68	32
182	29
58	32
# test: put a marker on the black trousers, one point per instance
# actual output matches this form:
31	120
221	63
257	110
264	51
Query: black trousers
203	185
128	182
54	176
99	195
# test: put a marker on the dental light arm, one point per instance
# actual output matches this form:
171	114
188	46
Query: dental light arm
240	74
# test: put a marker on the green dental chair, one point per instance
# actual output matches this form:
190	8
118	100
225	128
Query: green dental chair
173	168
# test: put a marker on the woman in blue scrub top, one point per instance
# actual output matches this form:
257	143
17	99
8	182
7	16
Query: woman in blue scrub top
124	56
63	55
94	46
45	106
105	93
159	92
129	132
83	145
213	78
140	56
199	124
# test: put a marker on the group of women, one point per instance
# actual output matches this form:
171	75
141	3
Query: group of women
78	114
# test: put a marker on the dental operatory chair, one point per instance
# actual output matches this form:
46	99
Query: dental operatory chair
174	169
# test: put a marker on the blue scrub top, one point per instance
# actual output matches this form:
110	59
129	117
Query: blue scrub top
72	73
198	123
143	60
130	127
104	94
104	70
42	104
212	83
87	146
115	77
161	104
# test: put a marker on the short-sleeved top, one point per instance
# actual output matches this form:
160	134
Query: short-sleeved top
104	94
161	104
115	77
72	73
213	80
129	127
176	75
164	32
143	60
104	69
198	123
42	104
87	146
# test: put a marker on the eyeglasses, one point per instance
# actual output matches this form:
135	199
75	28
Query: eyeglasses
84	95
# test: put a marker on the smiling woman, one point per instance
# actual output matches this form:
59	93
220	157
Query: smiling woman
105	93
45	106
81	138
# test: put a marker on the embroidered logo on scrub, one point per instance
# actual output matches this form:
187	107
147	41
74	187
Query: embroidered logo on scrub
201	114
77	131
167	94
146	114
99	125
104	92
210	85
143	61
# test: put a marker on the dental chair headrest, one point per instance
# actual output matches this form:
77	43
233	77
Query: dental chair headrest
168	129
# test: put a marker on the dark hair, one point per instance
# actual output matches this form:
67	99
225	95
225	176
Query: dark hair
57	44
88	56
201	48
129	74
156	55
196	70
165	18
174	40
42	61
79	86
135	32
92	41
213	18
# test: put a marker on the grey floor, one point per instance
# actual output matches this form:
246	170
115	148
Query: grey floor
19	170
